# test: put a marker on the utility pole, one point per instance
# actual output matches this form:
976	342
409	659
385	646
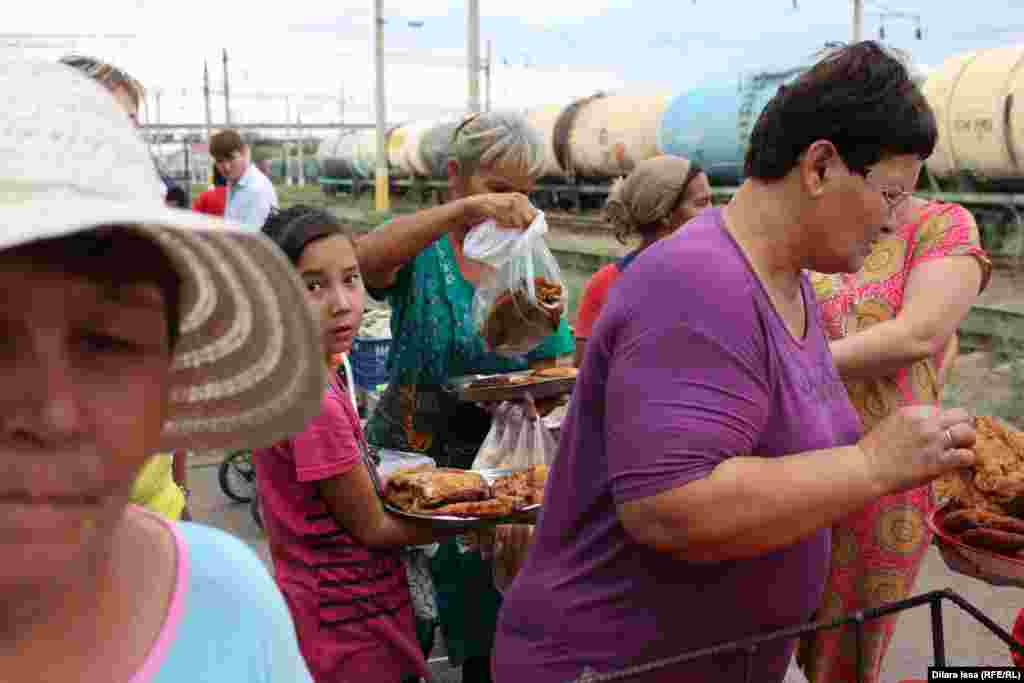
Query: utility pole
302	152
858	20
286	179
473	53
487	76
381	176
227	96
206	97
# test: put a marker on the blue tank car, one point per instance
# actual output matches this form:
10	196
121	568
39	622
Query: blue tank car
711	125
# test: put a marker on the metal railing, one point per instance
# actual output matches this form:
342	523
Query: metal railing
749	646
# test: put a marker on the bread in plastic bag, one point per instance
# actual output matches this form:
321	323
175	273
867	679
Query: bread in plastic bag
521	297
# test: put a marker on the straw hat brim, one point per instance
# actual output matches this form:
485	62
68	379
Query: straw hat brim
248	368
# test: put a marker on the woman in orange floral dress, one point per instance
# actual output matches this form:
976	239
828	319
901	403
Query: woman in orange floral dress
893	327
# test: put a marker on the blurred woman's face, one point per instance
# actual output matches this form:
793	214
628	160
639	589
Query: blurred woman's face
86	365
858	211
503	176
126	99
696	198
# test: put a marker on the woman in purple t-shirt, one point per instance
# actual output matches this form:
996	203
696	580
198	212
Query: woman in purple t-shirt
711	443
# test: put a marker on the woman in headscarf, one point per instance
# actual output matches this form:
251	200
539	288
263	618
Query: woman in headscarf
652	202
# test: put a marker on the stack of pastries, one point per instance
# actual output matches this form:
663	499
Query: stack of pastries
464	493
987	500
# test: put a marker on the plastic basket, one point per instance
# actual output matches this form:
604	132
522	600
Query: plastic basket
369	359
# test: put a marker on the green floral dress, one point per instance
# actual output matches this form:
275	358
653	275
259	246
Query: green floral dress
434	340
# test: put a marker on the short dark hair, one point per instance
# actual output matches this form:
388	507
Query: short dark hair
860	98
118	257
294	228
225	143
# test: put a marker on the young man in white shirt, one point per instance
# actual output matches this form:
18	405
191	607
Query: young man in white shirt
251	195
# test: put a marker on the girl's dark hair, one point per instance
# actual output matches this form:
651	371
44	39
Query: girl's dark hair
218	178
294	228
860	98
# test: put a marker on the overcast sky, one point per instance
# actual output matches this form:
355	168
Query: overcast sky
317	51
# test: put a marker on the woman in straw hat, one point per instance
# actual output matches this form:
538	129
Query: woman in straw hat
417	264
127	327
651	203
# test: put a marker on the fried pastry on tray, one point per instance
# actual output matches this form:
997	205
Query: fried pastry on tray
526	486
559	372
422	490
499	381
959	521
500	506
1005	542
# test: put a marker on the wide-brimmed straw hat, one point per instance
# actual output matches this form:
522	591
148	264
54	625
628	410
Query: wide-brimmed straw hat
248	368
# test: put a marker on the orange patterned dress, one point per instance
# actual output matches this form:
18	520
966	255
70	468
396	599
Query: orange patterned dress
877	551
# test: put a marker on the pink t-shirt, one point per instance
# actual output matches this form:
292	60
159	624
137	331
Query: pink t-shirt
351	604
226	620
176	607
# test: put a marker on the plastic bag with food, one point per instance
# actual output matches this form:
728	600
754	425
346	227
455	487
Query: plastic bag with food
521	297
518	439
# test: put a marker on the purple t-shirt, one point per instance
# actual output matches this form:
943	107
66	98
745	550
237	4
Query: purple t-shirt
688	365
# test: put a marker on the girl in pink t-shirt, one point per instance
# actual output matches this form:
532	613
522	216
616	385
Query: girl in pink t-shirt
335	549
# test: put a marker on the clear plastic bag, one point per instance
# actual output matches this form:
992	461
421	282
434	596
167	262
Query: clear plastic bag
519	439
521	297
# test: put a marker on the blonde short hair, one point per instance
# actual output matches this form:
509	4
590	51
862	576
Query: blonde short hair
482	140
107	74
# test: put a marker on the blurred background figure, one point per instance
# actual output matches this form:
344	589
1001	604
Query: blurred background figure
129	94
250	194
214	200
162	485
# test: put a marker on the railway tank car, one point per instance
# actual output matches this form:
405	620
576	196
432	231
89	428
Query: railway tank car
711	125
978	99
605	136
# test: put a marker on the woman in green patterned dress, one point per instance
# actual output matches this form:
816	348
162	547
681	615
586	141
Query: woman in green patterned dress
416	264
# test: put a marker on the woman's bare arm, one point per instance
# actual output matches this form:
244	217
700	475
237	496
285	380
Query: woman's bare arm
749	506
937	297
384	251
